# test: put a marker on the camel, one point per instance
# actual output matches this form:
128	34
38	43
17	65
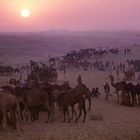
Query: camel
53	92
65	87
118	86
125	99
72	97
8	89
9	103
87	94
129	75
34	98
133	91
31	103
49	101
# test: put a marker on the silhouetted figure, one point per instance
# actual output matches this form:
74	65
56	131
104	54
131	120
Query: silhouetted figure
107	90
118	74
95	92
121	66
79	80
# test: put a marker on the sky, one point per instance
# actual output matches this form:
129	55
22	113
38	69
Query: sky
70	14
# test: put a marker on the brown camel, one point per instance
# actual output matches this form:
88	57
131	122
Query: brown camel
125	99
118	86
55	90
129	75
133	91
65	87
9	103
87	94
72	97
34	99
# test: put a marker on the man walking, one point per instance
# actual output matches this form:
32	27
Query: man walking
107	90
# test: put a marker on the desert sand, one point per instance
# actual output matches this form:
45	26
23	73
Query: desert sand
106	118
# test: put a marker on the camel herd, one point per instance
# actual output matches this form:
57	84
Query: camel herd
83	57
128	92
24	103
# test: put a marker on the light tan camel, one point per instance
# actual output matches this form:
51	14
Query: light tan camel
35	98
118	86
9	103
129	75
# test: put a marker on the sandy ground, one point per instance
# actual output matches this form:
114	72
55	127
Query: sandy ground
116	119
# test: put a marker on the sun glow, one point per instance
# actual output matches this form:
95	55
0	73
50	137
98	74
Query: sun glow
25	13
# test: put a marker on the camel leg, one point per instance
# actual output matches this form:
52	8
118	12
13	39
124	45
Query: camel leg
85	113
80	113
31	110
118	97
33	115
89	108
72	112
22	118
67	110
52	110
133	100
13	118
3	121
19	119
131	97
139	99
48	116
37	115
136	99
75	113
26	115
64	112
52	117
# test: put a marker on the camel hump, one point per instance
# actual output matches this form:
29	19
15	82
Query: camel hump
84	96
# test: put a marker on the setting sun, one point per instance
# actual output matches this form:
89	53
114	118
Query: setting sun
25	13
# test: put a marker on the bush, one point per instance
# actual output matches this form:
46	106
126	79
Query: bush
96	117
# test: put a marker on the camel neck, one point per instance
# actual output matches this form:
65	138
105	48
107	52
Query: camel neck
112	81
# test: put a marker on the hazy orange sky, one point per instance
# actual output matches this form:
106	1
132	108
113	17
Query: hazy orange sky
70	14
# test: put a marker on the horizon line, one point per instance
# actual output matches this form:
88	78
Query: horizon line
69	30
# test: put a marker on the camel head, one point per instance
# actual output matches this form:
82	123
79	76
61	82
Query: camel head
8	89
111	77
